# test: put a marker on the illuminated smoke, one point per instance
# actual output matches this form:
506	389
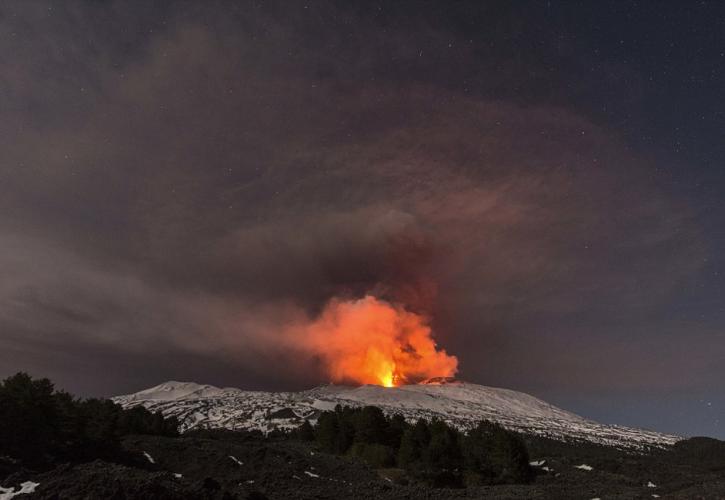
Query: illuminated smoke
371	341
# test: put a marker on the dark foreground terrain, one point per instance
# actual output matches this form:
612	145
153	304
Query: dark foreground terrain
245	466
59	447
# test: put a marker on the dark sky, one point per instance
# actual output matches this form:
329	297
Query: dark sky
178	180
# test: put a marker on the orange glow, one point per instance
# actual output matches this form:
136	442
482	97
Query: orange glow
370	341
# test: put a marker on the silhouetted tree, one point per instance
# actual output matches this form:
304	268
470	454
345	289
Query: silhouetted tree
510	457
413	445
443	451
370	425
496	454
396	428
29	417
432	452
328	432
305	432
39	425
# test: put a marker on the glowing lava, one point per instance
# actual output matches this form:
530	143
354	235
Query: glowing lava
370	341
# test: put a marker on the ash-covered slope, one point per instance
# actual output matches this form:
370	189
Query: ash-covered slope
458	403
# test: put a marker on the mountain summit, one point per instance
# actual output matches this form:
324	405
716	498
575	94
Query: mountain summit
461	404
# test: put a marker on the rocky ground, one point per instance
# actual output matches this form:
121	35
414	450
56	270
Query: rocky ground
242	466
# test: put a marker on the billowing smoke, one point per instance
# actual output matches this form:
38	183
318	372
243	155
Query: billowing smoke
371	341
215	194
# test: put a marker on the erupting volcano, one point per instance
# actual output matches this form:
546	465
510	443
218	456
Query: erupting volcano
371	341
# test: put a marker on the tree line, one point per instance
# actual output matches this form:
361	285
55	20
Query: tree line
40	425
429	451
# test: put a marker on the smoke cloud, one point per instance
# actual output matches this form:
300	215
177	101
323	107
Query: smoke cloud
234	188
369	341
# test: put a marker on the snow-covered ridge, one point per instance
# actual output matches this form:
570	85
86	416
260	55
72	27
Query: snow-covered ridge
458	403
172	390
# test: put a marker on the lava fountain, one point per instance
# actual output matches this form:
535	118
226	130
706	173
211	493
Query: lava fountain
371	341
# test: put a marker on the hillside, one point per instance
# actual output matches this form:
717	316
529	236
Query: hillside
57	447
458	403
222	465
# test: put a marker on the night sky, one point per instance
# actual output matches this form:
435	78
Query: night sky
544	180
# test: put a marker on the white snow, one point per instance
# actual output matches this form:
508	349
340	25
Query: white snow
25	488
236	460
311	474
537	463
177	475
170	391
458	403
650	484
149	457
584	467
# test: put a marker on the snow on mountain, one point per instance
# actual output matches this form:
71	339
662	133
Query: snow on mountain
170	391
458	403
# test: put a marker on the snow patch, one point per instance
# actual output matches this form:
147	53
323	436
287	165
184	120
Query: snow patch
173	390
537	463
149	457
312	474
25	488
650	484
177	475
236	460
584	467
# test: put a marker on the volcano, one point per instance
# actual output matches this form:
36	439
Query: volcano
460	404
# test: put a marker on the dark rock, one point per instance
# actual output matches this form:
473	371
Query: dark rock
287	469
284	413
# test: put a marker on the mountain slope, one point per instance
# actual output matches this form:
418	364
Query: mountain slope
458	403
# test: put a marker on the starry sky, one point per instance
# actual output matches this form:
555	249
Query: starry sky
542	179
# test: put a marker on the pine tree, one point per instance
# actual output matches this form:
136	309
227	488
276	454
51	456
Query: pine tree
443	451
328	432
40	425
510	457
496	454
370	425
413	443
305	432
396	428
29	416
